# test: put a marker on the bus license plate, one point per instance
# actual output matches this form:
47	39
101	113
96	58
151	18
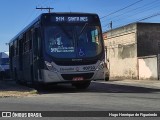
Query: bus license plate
78	78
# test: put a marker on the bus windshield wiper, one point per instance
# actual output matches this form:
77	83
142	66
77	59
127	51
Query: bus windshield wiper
65	32
84	27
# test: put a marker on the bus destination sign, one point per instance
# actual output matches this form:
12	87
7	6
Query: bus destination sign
70	19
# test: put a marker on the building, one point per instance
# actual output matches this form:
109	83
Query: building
132	51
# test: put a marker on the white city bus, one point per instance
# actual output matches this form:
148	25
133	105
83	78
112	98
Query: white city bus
59	48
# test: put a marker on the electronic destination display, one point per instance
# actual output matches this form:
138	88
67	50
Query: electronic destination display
71	19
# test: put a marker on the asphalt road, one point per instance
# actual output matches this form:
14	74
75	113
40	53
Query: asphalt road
98	97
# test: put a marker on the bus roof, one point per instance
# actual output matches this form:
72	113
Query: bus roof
38	18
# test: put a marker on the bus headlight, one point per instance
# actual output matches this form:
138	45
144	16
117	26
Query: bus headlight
50	67
101	66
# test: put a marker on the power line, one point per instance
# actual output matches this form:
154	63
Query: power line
150	5
135	9
148	17
121	9
138	12
142	19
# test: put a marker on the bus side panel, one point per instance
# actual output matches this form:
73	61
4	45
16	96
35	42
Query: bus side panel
14	71
26	67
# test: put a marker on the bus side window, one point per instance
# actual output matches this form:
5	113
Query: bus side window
21	54
11	54
36	40
15	48
30	39
24	40
27	42
17	45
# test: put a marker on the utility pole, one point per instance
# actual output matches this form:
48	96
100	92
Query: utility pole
111	25
47	8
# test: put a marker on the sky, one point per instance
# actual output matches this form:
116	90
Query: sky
16	14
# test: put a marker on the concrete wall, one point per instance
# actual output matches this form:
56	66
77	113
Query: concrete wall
122	52
148	37
148	67
126	44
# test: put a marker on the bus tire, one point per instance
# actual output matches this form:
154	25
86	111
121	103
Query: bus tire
81	85
106	78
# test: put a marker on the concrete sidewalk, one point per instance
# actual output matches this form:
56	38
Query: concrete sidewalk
155	84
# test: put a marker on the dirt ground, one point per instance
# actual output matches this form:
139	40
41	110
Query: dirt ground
8	88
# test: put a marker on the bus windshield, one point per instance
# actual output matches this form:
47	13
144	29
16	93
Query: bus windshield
81	41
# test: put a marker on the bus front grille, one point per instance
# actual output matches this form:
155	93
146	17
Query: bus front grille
85	76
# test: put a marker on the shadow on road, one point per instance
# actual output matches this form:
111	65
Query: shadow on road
10	85
97	87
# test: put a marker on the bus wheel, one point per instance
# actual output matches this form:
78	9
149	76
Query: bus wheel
106	78
81	85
